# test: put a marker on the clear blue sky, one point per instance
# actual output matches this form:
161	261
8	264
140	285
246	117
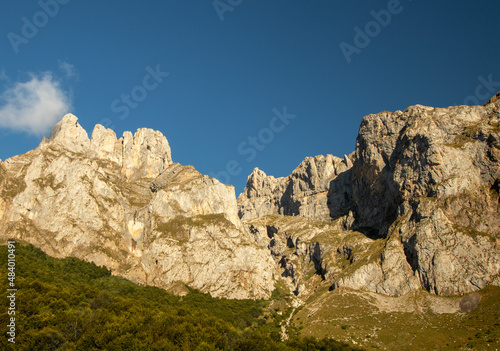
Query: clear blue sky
226	77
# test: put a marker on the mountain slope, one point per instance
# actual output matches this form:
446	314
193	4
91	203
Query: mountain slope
125	205
67	304
415	206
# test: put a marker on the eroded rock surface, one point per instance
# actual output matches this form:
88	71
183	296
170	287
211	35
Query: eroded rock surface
123	204
306	192
424	181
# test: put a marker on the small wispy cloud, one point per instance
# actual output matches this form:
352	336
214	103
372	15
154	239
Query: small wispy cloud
3	75
68	69
33	106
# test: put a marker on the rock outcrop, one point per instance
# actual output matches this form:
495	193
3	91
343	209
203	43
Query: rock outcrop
429	176
416	205
423	182
311	255
123	204
306	192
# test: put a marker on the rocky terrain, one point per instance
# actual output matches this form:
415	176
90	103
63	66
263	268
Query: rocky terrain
307	192
415	206
123	204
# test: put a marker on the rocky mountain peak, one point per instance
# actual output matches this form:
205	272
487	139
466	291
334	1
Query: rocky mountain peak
494	100
257	181
123	204
144	154
304	192
69	134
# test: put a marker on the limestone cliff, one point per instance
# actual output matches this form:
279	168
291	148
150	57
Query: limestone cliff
122	203
422	187
416	205
306	192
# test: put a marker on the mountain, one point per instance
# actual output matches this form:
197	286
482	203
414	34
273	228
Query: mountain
122	203
416	205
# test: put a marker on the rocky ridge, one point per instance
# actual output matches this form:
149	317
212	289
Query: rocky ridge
306	192
416	205
124	204
422	190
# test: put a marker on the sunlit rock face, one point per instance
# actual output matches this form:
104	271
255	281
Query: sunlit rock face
423	183
307	192
124	204
416	205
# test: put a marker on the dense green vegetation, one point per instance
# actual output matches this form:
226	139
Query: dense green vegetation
69	304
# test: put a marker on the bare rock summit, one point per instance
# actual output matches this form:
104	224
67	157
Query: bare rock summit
124	204
415	206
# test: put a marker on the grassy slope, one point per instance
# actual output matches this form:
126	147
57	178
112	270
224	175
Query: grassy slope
68	304
417	321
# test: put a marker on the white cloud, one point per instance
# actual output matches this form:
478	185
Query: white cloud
3	76
68	69
34	106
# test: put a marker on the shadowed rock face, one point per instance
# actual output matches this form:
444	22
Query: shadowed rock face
122	203
428	177
416	205
424	181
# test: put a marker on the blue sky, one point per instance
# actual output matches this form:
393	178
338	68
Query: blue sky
238	84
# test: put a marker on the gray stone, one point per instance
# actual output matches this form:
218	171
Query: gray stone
93	199
425	181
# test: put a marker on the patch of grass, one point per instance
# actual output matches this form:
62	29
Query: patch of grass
178	228
49	181
10	187
470	133
280	291
472	232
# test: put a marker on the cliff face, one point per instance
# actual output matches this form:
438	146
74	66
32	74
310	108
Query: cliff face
423	183
306	192
416	205
430	177
122	203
